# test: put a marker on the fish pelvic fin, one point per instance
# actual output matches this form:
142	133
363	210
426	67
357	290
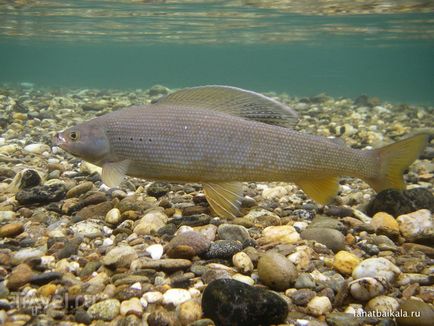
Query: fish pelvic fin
113	173
394	159
224	198
321	189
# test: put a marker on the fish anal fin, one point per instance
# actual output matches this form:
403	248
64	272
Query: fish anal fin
235	101
224	197
114	172
322	190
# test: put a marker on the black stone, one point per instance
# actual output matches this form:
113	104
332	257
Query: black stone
70	248
45	278
228	302
168	229
223	249
338	211
81	316
398	202
158	189
41	194
192	220
30	179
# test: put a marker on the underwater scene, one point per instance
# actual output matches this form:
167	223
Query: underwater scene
228	163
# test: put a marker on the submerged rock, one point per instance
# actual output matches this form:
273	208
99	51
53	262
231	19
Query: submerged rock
41	194
229	302
331	238
276	271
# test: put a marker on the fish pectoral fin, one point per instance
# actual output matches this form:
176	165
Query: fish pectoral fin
322	190
234	101
114	172
224	197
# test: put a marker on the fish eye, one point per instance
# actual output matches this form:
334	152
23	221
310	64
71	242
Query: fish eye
74	135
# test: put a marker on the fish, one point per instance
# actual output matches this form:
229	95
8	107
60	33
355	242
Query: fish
221	136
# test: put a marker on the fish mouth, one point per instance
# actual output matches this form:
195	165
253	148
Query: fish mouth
59	139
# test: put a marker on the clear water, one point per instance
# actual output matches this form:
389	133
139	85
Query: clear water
342	48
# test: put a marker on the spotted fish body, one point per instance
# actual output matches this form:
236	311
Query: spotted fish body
202	135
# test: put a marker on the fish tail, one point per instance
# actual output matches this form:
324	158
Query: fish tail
394	159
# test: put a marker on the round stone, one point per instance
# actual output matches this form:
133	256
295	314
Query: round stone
176	296
276	271
242	262
318	306
376	267
105	310
345	262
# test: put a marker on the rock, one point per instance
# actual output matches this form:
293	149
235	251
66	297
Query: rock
80	189
82	317
158	90
88	228
131	306
158	189
25	254
383	304
322	222
94	211
276	271
344	319
305	281
47	290
105	310
19	276
275	192
243	278
242	262
233	232
37	148
229	302
257	212
416	225
41	194
168	265
113	216
223	249
131	203
415	313
45	278
189	311
345	262
121	256
7	216
150	223
153	296
30	178
176	296
331	238
209	231
376	267
11	230
302	297
70	248
187	245
366	288
399	202
155	250
319	306
284	234
384	220
427	250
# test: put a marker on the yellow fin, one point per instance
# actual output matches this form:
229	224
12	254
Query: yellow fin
394	159
113	173
224	197
322	190
234	101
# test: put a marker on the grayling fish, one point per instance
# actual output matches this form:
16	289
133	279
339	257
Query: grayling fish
221	136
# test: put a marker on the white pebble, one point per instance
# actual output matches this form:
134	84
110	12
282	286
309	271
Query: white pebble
242	262
365	288
2	140
183	229
417	224
155	250
153	296
132	305
176	296
37	148
136	286
107	242
383	303
243	278
319	306
194	292
113	216
376	267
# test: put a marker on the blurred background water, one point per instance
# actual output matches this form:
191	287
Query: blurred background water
343	48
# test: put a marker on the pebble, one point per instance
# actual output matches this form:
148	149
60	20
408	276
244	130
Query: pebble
187	245
416	225
331	238
415	313
243	278
229	302
242	262
28	253
366	288
131	306
319	305
382	303
88	228
121	256
302	297
105	310
150	223
284	234
168	265
223	249
37	148
45	278
11	230
233	232
7	215
79	189
275	192
376	267
176	296
345	262
276	271
155	250
189	311
41	194
113	216
19	276
384	220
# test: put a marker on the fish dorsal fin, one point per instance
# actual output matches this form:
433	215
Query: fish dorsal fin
224	197
113	173
322	190
234	101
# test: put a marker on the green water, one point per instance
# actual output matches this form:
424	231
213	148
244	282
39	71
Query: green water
128	45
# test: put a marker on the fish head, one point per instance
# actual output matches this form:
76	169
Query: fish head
87	141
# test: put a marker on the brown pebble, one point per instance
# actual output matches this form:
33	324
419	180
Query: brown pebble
19	276
195	210
429	251
187	245
47	290
79	189
410	290
11	230
25	212
5	259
